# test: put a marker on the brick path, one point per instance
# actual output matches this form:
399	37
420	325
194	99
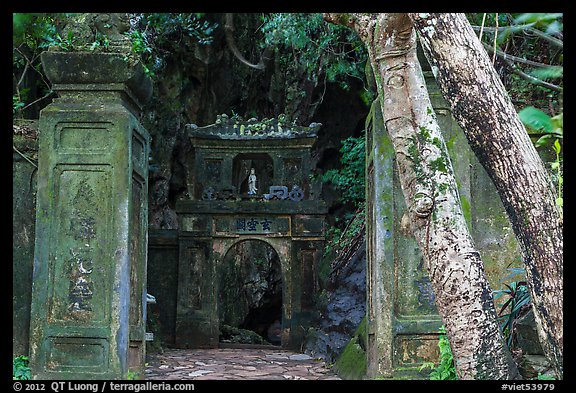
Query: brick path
239	364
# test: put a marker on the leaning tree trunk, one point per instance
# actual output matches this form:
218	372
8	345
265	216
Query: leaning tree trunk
485	112
463	295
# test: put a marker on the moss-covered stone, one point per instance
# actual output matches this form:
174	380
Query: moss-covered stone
91	221
23	219
231	334
351	363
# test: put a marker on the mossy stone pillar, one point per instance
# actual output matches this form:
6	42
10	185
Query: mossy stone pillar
89	281
380	248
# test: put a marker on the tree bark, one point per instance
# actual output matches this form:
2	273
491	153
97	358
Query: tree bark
463	294
485	112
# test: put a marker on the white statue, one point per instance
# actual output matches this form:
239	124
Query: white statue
252	182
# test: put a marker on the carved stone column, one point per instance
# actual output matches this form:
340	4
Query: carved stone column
380	250
89	283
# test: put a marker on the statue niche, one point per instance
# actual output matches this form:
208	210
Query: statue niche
262	167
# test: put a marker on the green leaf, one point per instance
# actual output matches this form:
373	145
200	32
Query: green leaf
426	365
538	18
536	120
560	202
558	123
546	73
556	146
542	140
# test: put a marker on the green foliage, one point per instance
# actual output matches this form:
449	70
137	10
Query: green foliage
445	370
556	165
17	105
167	26
32	33
316	46
518	299
545	377
333	235
36	30
157	34
547	129
532	70
547	73
350	178
541	125
20	369
549	22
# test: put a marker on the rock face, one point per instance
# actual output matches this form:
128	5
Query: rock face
345	309
527	336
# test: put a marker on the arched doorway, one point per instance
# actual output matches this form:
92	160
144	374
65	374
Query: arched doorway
250	293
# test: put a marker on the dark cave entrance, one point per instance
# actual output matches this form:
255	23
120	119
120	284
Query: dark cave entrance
250	294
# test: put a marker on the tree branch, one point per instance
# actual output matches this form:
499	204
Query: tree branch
229	30
505	55
38	100
522	74
357	22
549	38
526	29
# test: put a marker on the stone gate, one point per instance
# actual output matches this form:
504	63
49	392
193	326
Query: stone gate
281	210
88	311
88	307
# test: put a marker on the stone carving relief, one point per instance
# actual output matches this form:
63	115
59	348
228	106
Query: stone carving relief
277	192
281	192
81	285
82	228
296	195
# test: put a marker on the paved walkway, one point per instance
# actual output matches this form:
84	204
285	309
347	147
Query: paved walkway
240	364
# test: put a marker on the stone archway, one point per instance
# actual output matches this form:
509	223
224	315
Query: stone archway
250	280
284	212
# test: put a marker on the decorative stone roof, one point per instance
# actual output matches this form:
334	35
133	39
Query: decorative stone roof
237	128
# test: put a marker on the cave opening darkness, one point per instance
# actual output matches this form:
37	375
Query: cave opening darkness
250	292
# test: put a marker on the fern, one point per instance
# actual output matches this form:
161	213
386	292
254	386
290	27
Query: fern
445	370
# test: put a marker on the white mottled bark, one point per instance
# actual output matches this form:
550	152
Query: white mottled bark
463	295
485	112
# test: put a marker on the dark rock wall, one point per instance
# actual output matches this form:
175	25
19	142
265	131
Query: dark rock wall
23	219
344	311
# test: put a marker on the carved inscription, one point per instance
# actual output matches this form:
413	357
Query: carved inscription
82	228
79	261
253	225
195	258
81	286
